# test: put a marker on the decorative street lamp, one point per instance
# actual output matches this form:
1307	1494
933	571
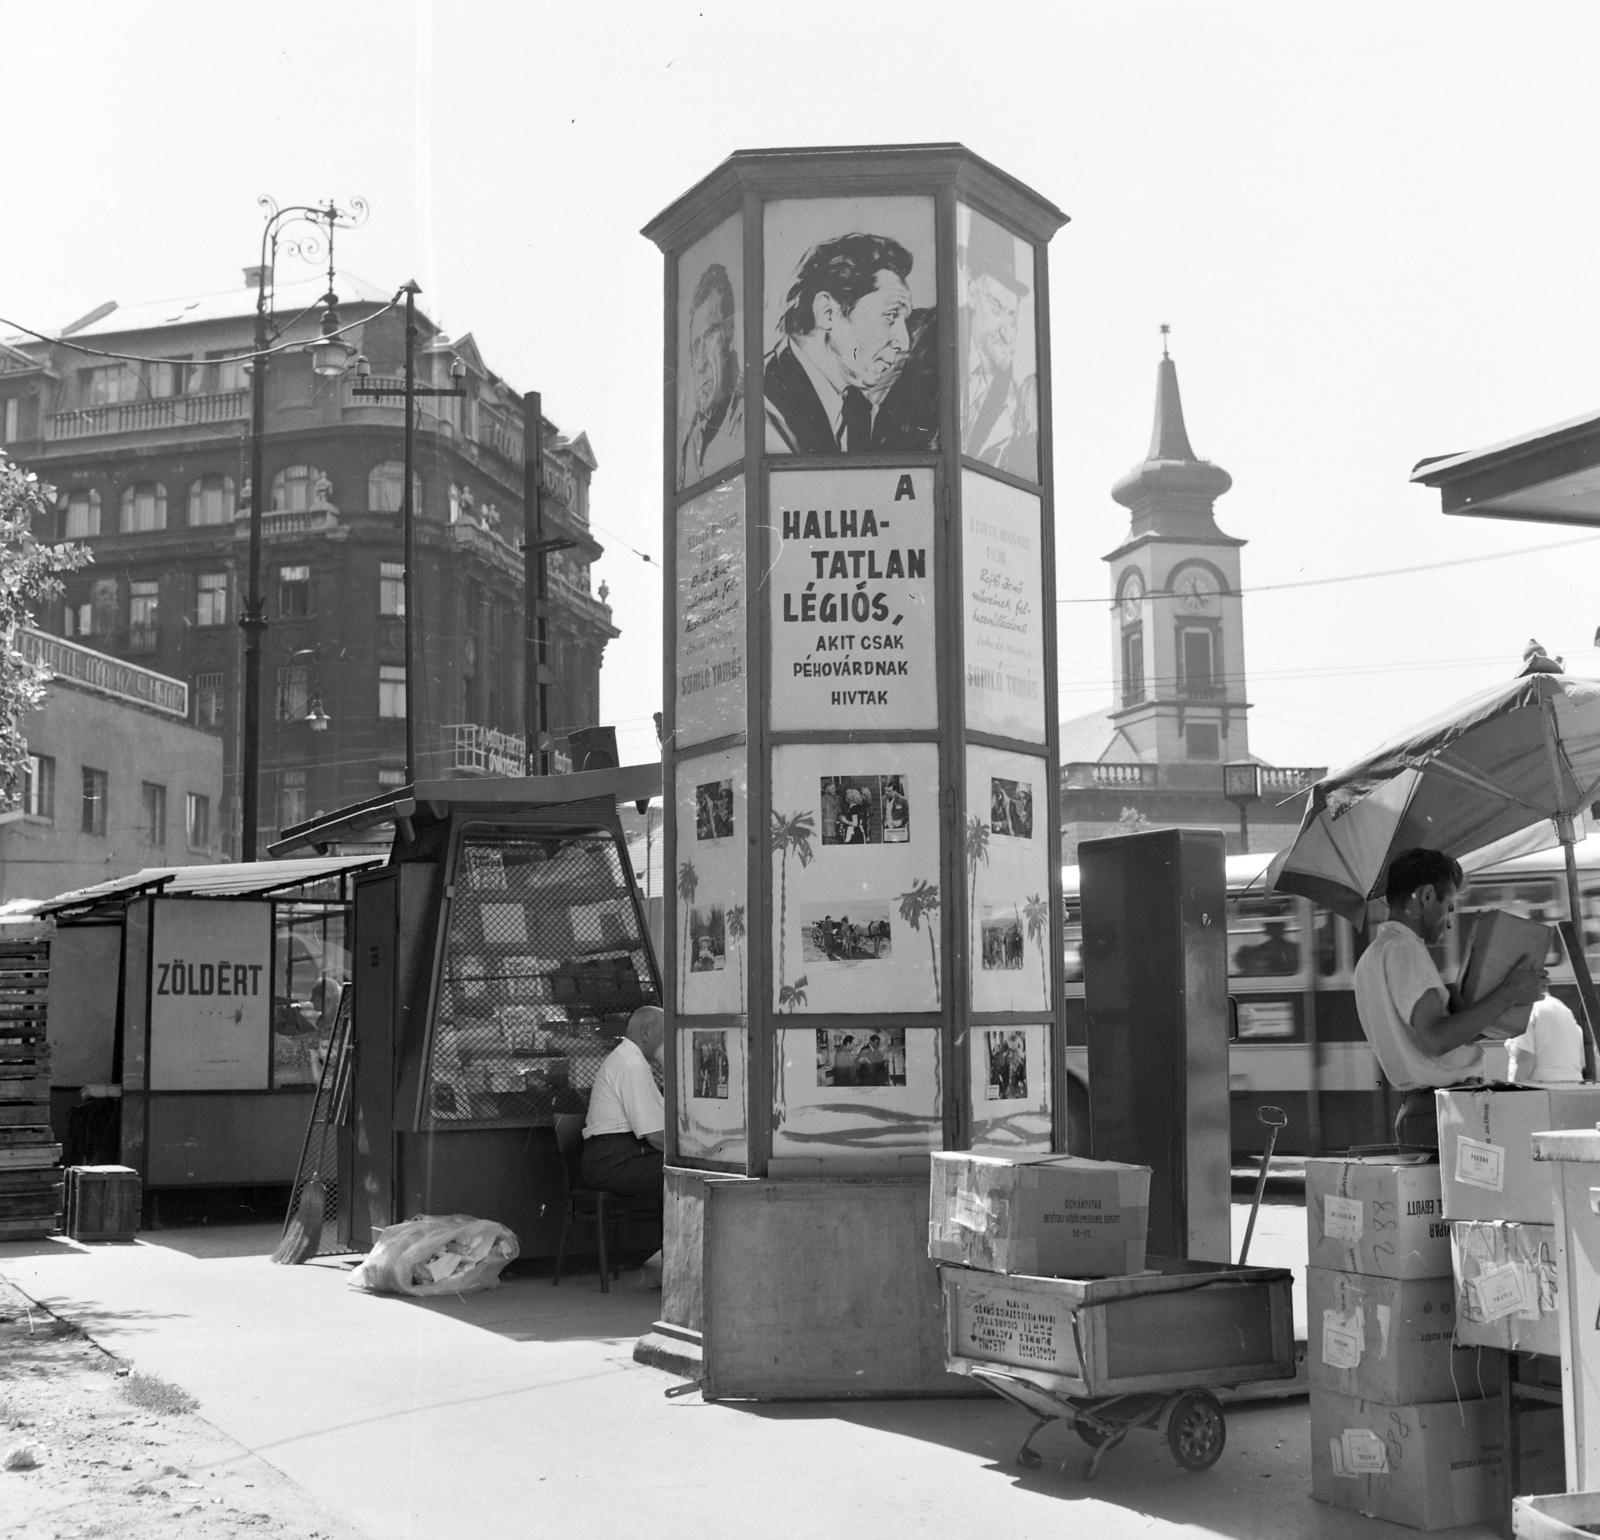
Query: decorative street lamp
324	352
1241	785
409	391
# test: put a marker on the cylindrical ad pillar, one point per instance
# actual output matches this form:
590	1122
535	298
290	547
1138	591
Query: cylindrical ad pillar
863	917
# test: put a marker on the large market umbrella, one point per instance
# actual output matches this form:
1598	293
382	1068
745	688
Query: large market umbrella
1507	770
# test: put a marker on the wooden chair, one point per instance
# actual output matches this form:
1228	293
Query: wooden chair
607	1209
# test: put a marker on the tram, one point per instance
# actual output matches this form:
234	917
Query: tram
1291	967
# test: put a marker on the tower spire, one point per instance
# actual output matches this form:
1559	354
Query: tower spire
1172	486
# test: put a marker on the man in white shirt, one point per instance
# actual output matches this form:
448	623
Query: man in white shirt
625	1133
1550	1052
1422	1035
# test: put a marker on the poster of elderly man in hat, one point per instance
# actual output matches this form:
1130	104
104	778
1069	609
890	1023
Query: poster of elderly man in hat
999	379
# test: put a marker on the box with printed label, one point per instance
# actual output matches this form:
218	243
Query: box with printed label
1506	1281
1051	1216
1391	1340
1432	1465
1377	1214
1486	1148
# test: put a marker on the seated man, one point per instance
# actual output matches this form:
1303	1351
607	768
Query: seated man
625	1133
1550	1052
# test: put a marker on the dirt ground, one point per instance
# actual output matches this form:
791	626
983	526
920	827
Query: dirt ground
123	1453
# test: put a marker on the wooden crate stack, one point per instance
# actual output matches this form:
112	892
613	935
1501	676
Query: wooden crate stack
30	1159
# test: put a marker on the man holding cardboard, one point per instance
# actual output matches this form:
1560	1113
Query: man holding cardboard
1424	1037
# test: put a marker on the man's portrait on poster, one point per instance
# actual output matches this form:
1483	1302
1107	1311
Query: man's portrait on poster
999	384
711	396
853	364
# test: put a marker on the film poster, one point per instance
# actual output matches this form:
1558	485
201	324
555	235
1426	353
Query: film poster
1010	1077
711	1095
852	600
999	374
1008	878
711	879
710	381
1003	614
710	662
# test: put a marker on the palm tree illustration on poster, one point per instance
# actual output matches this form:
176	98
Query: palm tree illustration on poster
854	844
712	884
1008	880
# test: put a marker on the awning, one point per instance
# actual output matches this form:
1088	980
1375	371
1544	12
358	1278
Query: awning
233	879
1549	476
508	793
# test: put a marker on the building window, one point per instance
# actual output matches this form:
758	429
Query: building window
1132	666
197	821
144	508
78	620
1197	658
144	602
386	484
391	690
392	588
109	384
1200	740
211	500
391	776
211	599
294	692
294	592
469	698
39	787
291	798
295	489
83	513
223	374
155	813
208	708
12	429
93	820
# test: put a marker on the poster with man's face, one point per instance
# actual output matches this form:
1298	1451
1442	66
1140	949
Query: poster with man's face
850	326
998	370
710	384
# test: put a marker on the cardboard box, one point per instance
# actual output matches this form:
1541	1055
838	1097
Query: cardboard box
1506	1281
1432	1465
1378	1214
1049	1216
1391	1340
1499	942
1486	1148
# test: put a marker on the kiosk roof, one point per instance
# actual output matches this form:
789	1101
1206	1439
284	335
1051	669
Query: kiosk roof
232	879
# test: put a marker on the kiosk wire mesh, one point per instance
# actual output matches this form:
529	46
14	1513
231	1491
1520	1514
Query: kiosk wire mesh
545	959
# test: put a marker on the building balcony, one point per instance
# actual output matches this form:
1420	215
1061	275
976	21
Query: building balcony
1102	776
1201	692
282	525
483	750
145	416
1278	782
144	638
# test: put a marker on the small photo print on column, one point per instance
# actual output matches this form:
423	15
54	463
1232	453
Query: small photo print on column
865	810
713	810
845	933
1011	808
861	1057
708	944
1002	937
1007	1051
710	1051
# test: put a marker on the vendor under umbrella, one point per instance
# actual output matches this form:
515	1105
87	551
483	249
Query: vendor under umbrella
1424	1038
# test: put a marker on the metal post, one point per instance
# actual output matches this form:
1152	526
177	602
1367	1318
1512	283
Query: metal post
407	519
535	697
1244	828
254	620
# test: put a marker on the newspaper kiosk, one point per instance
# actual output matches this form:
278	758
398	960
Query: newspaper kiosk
497	957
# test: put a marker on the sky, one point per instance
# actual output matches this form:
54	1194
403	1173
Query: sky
1372	229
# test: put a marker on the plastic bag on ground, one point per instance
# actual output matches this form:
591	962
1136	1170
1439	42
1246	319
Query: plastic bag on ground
436	1254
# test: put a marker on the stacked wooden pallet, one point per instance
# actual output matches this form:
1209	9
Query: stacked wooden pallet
30	1159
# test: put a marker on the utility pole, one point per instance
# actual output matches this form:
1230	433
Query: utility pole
254	620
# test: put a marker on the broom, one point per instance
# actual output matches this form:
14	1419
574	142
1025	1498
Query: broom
302	1234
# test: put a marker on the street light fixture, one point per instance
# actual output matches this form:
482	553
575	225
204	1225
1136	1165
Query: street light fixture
409	390
253	621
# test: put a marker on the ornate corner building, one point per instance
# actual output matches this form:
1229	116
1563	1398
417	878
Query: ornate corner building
150	466
1179	720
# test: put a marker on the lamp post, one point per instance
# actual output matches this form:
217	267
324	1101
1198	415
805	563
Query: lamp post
1241	785
253	621
409	391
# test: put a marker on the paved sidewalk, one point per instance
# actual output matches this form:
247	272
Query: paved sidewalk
523	1405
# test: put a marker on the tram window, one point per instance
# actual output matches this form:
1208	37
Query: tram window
1589	900
1263	938
1532	899
1072	939
1325	943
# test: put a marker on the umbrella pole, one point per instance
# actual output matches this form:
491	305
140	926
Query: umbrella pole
1575	951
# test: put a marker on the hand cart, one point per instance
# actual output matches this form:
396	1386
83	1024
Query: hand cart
1112	1354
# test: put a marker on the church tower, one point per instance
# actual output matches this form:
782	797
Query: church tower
1177	618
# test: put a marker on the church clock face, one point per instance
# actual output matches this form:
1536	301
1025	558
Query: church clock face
1132	595
1195	592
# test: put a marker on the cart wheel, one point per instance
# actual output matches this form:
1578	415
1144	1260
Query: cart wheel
1090	1434
1196	1431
